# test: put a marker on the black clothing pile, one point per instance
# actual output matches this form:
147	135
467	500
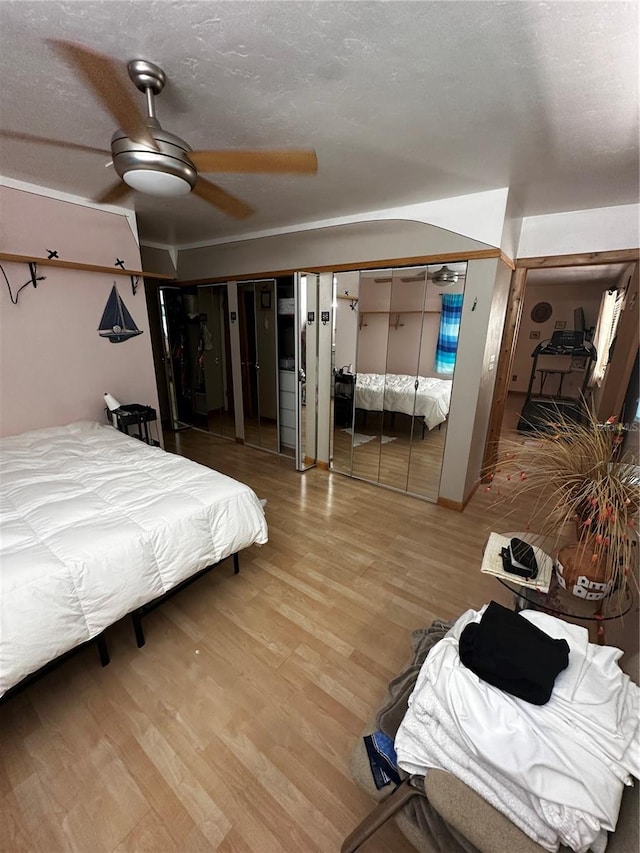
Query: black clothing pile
509	652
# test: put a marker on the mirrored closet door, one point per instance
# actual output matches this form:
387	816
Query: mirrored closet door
258	362
215	400
307	286
395	342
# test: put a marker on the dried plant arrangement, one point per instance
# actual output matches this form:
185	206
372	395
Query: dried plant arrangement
583	485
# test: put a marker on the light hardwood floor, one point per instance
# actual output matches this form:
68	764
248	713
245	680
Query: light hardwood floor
232	729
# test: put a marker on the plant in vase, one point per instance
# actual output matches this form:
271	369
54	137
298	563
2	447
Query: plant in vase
580	479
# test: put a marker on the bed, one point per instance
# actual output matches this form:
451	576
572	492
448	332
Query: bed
393	392
95	525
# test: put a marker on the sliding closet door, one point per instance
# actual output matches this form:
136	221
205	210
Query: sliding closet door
306	301
180	325
215	354
258	362
434	391
403	355
374	303
402	389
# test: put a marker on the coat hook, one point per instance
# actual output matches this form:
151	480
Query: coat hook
475	302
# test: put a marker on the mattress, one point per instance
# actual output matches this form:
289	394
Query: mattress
393	392
93	524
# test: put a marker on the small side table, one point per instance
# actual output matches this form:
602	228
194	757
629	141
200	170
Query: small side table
560	602
137	415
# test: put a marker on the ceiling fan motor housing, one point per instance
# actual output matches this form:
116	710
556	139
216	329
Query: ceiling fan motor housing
171	159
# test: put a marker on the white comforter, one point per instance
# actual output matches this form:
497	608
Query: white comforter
395	392
94	524
556	770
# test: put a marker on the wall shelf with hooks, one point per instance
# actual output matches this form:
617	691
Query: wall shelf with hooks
76	265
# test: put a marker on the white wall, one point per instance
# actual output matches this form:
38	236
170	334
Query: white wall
351	244
581	231
479	216
485	301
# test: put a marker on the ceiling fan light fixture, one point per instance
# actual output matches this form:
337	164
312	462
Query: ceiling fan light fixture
157	183
446	276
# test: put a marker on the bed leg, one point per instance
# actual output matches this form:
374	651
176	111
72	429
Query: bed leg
103	651
236	563
136	618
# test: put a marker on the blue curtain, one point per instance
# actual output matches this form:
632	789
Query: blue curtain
449	331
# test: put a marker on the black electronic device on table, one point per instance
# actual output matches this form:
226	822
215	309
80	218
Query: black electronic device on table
520	559
565	341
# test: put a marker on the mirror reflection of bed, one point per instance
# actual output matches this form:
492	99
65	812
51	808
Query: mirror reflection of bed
391	399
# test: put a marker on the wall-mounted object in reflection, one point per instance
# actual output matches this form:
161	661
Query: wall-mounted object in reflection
534	336
265	300
447	346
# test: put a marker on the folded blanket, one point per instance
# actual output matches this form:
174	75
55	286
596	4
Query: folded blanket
557	771
509	652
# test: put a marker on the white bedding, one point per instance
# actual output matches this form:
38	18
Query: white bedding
395	392
93	524
556	770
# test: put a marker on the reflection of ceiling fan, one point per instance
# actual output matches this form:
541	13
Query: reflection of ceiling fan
445	275
150	159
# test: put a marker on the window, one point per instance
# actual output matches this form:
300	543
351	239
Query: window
610	308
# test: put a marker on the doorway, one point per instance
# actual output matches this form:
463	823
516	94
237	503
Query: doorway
572	287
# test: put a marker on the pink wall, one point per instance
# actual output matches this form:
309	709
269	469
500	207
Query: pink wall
54	367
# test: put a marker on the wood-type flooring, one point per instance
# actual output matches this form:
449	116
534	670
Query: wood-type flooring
232	729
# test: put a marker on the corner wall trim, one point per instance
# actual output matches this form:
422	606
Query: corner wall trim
458	506
614	256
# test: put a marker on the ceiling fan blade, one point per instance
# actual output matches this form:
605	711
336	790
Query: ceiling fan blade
218	197
58	143
104	76
276	162
113	194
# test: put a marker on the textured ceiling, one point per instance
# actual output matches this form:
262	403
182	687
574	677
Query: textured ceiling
403	102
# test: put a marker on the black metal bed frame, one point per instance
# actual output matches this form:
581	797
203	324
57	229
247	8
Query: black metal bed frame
100	640
103	652
138	613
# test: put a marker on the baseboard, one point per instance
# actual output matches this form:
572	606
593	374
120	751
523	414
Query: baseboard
323	466
458	506
239	440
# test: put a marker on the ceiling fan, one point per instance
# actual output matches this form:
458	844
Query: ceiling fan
445	275
150	159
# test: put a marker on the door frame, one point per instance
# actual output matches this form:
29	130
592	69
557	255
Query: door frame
512	327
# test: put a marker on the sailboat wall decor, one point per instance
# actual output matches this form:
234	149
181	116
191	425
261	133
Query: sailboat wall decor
117	324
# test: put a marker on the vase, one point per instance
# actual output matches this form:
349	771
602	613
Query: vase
579	571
